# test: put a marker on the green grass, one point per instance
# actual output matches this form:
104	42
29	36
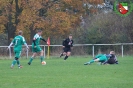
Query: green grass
67	74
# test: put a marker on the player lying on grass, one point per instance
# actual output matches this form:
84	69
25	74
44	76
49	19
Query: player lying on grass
112	59
104	59
67	45
18	41
36	46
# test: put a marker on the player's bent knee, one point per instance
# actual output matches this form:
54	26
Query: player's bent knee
64	53
96	60
42	51
68	54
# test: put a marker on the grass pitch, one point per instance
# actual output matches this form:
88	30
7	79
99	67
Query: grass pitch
67	74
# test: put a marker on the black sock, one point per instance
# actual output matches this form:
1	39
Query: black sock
61	55
65	57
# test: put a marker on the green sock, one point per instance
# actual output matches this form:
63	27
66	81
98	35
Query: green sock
31	59
14	62
42	58
18	62
91	61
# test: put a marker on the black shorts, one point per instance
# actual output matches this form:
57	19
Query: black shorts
67	50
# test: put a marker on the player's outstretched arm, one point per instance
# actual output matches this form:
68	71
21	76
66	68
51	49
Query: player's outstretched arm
64	43
43	39
72	43
26	45
10	45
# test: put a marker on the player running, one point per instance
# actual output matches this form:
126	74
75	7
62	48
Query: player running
36	46
18	41
101	58
67	45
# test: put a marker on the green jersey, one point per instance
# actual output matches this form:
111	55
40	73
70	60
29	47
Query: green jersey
37	39
18	41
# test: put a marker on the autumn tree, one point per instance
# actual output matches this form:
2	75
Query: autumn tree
50	16
55	17
10	11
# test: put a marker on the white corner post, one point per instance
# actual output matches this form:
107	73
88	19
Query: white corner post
27	52
93	51
44	52
10	53
122	50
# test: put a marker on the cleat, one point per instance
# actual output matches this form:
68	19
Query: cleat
61	55
29	63
87	63
11	67
20	66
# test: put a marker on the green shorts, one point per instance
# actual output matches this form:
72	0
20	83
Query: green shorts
102	57
37	49
17	53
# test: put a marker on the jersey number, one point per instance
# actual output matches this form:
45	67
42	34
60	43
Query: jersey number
16	42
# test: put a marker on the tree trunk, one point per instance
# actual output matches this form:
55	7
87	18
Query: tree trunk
11	29
9	26
32	33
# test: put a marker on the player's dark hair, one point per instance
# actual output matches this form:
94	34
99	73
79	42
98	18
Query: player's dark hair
20	33
39	30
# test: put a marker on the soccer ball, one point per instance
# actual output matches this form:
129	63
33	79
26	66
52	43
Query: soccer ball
43	63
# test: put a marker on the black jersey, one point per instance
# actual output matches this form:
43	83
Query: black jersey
67	43
112	59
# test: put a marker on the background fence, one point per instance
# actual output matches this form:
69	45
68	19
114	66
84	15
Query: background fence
79	49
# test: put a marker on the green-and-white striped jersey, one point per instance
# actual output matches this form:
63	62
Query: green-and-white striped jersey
37	39
18	41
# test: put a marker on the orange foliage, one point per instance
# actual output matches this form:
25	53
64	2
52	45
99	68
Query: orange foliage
56	23
59	18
